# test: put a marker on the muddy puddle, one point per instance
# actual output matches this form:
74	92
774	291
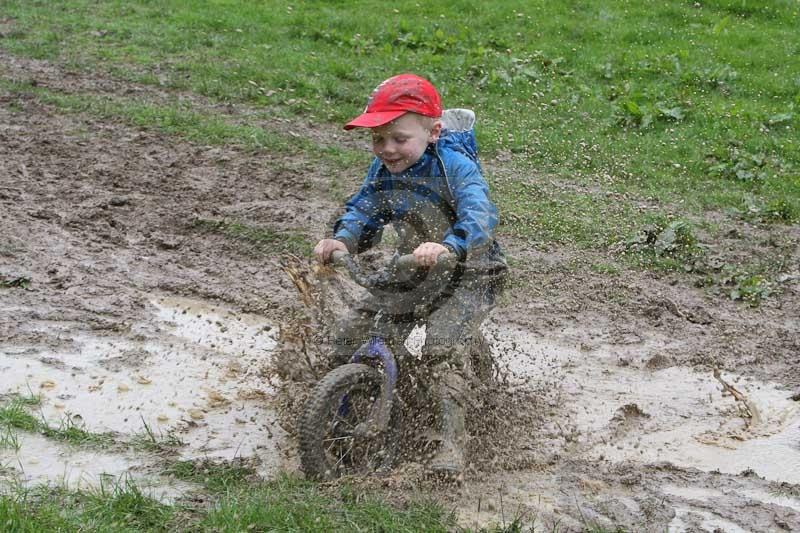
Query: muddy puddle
41	461
627	411
193	371
187	372
632	420
709	496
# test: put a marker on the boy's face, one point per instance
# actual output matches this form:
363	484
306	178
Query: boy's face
400	143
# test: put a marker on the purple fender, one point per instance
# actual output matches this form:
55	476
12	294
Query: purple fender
375	349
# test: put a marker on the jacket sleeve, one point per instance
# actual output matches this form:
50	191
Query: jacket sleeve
476	215
361	226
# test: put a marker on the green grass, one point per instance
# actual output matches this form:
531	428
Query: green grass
554	214
14	414
116	505
30	400
150	440
177	118
14	282
286	504
607	269
691	108
216	477
630	88
124	503
291	505
180	118
9	438
72	432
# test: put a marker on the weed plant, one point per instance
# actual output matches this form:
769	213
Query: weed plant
14	414
150	440
285	504
116	505
216	477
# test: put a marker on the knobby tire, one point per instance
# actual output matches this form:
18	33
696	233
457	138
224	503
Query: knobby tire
321	453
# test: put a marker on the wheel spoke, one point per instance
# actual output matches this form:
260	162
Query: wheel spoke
348	444
337	438
344	421
350	449
336	442
367	458
354	411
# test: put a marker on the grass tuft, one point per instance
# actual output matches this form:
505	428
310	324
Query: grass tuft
215	476
285	504
149	440
117	505
14	414
124	505
288	504
72	431
20	282
9	439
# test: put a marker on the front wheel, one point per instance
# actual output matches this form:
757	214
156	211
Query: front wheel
334	429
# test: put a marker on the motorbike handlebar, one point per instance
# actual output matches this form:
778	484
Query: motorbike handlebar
404	264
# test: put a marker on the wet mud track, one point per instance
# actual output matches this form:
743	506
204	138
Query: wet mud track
131	315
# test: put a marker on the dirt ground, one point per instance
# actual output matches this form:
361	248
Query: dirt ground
136	314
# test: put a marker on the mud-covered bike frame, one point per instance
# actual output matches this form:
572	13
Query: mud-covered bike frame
373	354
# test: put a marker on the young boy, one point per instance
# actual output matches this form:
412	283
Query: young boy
426	181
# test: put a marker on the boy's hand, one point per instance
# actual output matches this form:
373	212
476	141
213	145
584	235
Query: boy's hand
427	253
325	248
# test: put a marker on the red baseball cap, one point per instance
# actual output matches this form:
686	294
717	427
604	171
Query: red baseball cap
396	96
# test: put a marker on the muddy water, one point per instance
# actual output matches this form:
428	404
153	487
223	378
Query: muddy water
695	495
40	460
629	412
188	370
191	369
709	522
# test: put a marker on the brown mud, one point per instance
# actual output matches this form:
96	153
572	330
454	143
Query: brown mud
124	312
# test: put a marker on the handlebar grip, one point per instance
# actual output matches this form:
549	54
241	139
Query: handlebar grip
403	267
444	259
337	256
407	261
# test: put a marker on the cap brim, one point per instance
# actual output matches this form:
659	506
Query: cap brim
373	120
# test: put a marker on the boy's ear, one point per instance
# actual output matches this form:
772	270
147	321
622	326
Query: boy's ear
436	130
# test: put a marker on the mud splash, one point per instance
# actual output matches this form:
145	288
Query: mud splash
625	421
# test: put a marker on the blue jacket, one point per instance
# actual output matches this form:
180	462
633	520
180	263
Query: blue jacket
440	198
